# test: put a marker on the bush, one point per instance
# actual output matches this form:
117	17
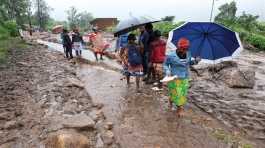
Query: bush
166	27
11	27
4	34
243	34
256	40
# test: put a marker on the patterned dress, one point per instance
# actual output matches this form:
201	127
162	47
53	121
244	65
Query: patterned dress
128	69
178	91
178	88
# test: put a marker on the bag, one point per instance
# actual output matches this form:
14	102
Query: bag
134	56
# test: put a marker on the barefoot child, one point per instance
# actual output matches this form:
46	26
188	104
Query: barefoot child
132	61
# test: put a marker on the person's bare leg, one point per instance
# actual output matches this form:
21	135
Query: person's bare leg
180	111
101	57
96	56
170	103
137	83
128	80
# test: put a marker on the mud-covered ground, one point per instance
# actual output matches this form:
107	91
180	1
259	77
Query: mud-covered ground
46	99
242	109
41	100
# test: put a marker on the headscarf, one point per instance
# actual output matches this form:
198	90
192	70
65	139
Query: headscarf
183	44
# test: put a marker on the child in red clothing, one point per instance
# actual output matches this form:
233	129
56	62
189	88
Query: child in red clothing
158	54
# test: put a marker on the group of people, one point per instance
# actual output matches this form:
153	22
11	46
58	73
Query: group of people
148	59
76	43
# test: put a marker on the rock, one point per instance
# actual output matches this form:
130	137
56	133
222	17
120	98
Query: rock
108	137
98	105
96	115
4	116
23	63
72	82
241	78
70	108
256	62
108	126
67	140
223	65
12	125
99	143
79	121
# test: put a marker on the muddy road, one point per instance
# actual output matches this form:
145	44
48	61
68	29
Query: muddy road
44	95
42	103
143	119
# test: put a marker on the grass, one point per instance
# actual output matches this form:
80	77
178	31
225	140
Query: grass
7	44
229	138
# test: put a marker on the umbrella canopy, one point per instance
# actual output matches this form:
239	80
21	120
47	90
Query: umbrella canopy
57	29
212	42
131	24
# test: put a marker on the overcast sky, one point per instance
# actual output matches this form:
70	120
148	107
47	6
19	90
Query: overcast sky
186	10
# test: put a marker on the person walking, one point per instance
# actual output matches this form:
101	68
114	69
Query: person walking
98	44
132	61
64	48
147	38
77	41
67	43
177	65
158	48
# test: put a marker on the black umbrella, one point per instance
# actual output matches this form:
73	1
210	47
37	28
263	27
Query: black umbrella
131	24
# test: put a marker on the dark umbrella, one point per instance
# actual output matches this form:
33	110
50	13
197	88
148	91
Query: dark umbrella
131	24
212	42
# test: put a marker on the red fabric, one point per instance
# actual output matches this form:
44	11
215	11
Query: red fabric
158	51
183	43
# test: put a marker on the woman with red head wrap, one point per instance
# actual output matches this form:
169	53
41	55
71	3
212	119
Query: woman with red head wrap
177	64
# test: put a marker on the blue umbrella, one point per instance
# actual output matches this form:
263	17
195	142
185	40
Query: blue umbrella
212	42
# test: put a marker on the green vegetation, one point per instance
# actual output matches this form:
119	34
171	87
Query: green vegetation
229	138
166	27
8	43
8	29
250	30
78	20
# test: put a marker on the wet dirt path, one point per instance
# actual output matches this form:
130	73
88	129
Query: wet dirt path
142	120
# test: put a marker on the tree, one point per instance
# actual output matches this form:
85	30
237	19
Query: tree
84	20
73	17
42	13
14	10
168	18
227	13
248	21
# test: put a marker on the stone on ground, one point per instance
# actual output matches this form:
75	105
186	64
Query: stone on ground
79	121
73	82
68	140
241	78
108	137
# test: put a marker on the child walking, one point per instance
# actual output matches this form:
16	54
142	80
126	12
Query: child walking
132	61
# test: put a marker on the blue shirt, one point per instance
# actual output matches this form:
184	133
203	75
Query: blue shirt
175	66
146	39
